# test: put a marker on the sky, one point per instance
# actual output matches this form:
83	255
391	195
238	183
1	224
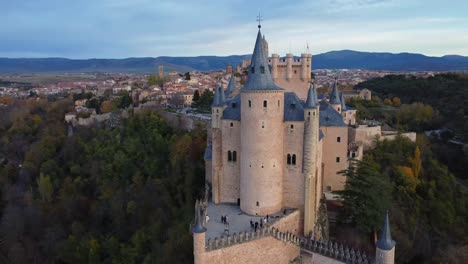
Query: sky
81	29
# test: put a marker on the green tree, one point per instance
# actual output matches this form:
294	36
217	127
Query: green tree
366	195
45	187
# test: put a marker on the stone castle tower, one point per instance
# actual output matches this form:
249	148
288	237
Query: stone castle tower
270	153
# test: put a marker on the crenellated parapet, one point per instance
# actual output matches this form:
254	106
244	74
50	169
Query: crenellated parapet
335	251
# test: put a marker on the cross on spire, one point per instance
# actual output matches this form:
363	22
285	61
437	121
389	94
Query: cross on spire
259	20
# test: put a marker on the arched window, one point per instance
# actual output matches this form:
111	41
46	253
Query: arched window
250	103
229	156
253	69
234	156
265	103
293	159
289	159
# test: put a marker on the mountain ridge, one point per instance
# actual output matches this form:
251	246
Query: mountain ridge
337	59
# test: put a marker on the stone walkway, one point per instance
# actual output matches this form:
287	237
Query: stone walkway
238	221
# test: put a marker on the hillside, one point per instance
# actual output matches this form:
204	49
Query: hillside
344	59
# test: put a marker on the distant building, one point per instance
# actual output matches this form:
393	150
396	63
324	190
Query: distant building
160	71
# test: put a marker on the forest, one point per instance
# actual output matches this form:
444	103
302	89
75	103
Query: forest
97	195
423	104
428	206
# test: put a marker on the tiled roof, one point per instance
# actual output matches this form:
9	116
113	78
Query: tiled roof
329	117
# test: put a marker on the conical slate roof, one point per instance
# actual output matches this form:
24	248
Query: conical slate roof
385	242
335	96
312	100
231	86
343	104
219	98
259	76
198	226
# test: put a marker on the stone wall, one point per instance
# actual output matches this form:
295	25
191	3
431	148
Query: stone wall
290	223
335	157
231	169
293	179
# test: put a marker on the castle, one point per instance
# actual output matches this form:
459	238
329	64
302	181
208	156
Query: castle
274	150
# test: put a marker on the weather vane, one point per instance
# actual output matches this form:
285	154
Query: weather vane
259	20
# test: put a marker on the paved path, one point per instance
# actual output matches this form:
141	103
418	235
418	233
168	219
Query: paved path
238	221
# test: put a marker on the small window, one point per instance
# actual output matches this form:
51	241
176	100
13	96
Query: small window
265	103
229	156
234	105
253	69
353	154
279	102
217	111
309	113
292	126
293	159
329	188
234	156
232	124
337	159
338	139
263	124
262	69
292	106
250	103
258	204
289	159
338	109
295	71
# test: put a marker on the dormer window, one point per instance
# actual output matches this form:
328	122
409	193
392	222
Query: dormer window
253	70
292	106
262	69
234	105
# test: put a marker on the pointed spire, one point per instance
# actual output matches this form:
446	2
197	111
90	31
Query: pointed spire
343	104
312	100
231	86
385	242
222	97
216	98
198	227
259	76
334	96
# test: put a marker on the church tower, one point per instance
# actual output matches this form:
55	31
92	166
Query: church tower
335	100
310	169
262	114
385	250
217	107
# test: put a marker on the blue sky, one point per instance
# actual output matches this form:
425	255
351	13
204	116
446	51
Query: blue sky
151	28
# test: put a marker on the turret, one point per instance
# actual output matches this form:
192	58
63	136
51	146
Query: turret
335	101
199	233
305	66
310	169
262	114
219	101
274	65
265	47
289	63
343	104
385	248
231	86
217	109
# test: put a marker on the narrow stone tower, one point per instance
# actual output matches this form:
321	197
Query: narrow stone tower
199	233
262	114
217	158
310	170
385	250
335	100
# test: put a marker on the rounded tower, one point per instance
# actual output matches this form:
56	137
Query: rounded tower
274	65
289	63
385	250
262	114
217	161
199	233
334	97
305	66
310	169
